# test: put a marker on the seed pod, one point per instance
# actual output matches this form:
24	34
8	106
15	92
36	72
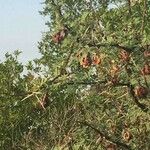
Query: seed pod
124	56
96	60
86	61
59	36
141	91
111	147
146	53
145	70
63	33
56	38
126	135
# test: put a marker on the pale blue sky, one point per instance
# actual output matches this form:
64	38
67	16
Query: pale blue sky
21	27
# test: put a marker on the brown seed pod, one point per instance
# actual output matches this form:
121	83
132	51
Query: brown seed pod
124	56
111	147
63	33
86	61
59	36
56	38
126	135
146	53
96	59
145	70
140	91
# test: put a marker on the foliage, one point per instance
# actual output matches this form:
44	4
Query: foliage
89	89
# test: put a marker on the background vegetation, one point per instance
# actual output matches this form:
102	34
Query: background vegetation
89	89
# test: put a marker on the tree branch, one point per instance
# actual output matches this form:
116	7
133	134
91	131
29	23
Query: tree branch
140	105
130	88
129	49
118	143
86	82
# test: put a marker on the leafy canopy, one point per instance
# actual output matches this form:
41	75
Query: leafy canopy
90	88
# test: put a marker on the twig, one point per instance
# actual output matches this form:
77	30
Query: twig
30	95
86	82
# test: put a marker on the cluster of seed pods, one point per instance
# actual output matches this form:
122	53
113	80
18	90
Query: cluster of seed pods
88	59
140	91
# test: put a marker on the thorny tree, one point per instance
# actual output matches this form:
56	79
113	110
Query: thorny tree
90	88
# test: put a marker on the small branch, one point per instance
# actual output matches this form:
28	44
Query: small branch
30	95
53	80
86	82
105	136
111	45
130	87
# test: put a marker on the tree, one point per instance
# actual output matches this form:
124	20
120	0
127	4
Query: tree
90	88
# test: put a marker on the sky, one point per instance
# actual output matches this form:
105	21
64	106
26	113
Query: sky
21	28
